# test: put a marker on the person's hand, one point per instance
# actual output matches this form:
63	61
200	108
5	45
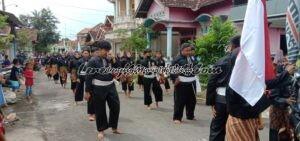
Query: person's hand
291	68
3	81
290	100
78	80
176	82
214	112
87	96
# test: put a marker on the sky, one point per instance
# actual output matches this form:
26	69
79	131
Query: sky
73	15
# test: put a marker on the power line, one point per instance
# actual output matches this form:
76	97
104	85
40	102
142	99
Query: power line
76	20
72	6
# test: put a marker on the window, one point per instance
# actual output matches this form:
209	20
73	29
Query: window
239	2
283	44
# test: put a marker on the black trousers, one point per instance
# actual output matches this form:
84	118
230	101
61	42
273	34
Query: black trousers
185	96
167	84
273	134
101	95
90	106
140	80
56	77
152	83
79	90
218	124
126	86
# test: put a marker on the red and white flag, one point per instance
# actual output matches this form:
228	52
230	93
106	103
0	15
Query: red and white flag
253	65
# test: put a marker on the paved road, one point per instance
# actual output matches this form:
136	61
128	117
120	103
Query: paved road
53	117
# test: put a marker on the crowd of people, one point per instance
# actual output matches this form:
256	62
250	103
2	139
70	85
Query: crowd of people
233	118
21	73
98	88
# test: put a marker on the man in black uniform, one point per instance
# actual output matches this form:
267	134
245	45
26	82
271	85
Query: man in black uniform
216	88
160	62
103	88
90	100
127	81
150	81
63	72
185	86
81	75
73	70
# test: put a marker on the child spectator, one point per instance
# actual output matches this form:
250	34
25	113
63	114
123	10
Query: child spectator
28	74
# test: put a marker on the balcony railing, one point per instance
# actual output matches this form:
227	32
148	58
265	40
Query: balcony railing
124	19
126	22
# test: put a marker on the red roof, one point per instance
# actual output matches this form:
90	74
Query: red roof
192	4
195	5
84	31
98	32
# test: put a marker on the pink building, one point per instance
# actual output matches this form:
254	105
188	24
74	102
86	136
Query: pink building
177	21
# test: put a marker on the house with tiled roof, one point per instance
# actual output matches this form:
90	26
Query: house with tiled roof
123	22
13	24
98	32
177	21
82	36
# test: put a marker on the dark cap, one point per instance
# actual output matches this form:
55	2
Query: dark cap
102	45
185	45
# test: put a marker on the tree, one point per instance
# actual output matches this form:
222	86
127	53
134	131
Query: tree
138	40
45	22
23	38
211	46
4	39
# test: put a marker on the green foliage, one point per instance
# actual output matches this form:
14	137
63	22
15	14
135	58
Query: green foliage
23	39
3	22
138	40
45	22
211	46
6	39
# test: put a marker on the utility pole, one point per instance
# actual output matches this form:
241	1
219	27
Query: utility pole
3	5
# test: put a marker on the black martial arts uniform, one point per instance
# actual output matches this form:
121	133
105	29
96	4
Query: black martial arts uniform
185	90
126	83
161	63
62	66
81	77
215	95
103	88
73	66
140	77
53	62
150	82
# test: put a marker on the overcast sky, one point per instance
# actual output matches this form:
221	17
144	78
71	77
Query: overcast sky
73	15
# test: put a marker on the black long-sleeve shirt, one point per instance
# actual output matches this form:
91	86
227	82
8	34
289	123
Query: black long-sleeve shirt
182	61
96	63
81	66
218	79
238	107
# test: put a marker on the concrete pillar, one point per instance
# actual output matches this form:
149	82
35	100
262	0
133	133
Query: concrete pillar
169	42
128	8
149	40
117	8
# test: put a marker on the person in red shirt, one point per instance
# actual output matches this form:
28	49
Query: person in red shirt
28	74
